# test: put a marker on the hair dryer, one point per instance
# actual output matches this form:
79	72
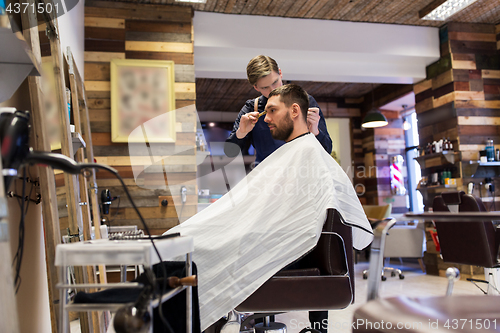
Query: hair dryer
135	318
14	138
106	200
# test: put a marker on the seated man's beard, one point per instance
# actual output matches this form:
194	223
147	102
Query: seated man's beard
284	130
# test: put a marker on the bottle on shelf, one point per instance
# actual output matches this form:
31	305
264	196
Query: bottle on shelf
440	146
490	150
68	99
442	176
450	145
445	145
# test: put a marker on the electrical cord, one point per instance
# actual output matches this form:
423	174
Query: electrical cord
116	213
117	175
18	258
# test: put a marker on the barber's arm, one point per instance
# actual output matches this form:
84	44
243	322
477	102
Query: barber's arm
317	125
242	131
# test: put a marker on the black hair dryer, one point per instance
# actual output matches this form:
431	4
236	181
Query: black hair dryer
106	200
14	139
135	318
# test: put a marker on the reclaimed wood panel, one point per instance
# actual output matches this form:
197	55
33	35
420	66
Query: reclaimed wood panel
178	58
465	100
144	46
158	37
102	56
148	32
99	22
153	26
104	33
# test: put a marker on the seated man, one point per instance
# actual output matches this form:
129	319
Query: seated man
273	216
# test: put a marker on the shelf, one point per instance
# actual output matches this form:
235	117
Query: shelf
476	169
113	307
436	188
77	141
124	252
16	60
438	159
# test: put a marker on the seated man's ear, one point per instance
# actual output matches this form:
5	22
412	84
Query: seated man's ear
295	111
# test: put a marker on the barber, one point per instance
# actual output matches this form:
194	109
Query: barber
264	75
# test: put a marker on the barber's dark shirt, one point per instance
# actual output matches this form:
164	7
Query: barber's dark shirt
260	136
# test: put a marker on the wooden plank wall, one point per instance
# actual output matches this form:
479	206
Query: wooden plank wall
342	108
379	145
460	98
497	31
150	32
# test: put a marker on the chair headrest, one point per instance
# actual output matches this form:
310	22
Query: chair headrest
452	198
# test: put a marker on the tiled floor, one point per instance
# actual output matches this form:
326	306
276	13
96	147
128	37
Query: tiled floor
415	283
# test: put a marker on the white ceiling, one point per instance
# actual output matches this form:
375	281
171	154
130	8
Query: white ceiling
313	50
397	105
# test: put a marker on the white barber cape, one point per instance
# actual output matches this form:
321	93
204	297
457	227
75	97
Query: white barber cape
271	218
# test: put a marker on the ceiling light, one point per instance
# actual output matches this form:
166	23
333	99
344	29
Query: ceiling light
440	10
406	125
374	119
192	1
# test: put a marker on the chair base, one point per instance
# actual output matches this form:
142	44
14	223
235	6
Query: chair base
394	272
272	327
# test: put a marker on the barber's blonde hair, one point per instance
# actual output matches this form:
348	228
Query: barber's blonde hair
259	67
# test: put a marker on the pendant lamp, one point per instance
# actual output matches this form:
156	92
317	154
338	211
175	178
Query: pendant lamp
374	118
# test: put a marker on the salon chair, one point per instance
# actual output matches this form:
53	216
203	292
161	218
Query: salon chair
421	314
375	214
467	243
325	280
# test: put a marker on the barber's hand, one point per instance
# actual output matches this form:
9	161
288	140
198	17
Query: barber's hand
247	123
313	120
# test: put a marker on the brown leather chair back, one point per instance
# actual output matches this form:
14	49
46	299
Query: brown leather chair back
321	280
329	255
469	243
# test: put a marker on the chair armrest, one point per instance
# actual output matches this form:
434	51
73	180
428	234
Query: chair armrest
298	272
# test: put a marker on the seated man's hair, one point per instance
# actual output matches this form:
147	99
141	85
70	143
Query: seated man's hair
292	93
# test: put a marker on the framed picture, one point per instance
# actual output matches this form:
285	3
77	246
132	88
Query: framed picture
53	123
142	101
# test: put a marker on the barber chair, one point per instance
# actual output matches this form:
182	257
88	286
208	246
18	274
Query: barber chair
375	214
324	281
422	314
468	243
